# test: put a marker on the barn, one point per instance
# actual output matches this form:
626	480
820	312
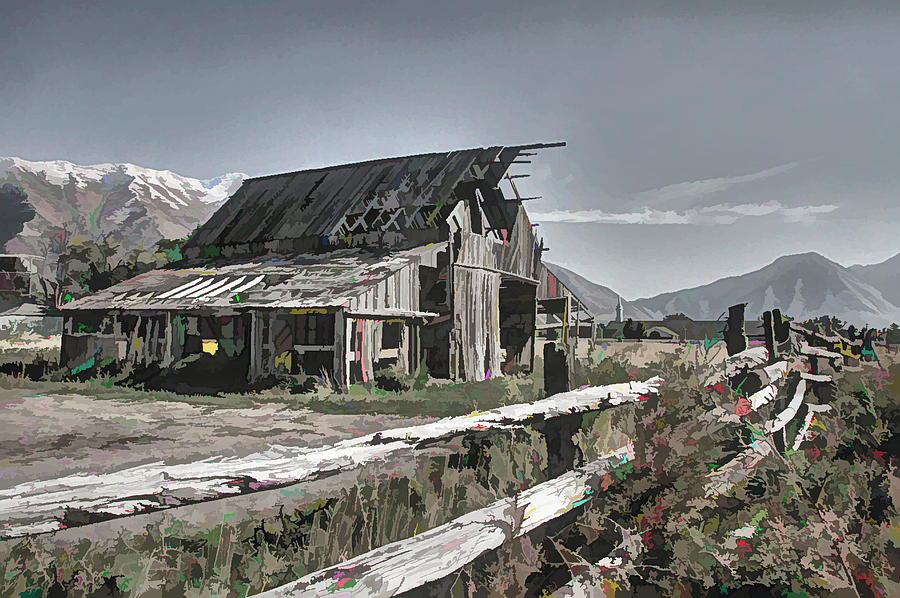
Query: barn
336	272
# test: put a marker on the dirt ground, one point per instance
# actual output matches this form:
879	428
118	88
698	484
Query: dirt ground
43	437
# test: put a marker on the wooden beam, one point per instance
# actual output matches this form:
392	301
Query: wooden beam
534	146
36	506
411	563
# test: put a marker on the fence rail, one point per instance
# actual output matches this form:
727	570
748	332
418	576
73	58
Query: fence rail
408	564
40	506
801	366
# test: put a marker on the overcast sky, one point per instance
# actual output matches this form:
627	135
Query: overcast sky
704	139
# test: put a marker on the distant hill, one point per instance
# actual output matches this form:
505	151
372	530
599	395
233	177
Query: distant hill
884	276
802	286
45	202
600	300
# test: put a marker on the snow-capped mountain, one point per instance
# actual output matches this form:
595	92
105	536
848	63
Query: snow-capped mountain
47	203
802	286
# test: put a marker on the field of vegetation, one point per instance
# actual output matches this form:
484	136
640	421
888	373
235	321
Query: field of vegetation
819	521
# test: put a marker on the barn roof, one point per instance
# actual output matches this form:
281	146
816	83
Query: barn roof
387	194
343	278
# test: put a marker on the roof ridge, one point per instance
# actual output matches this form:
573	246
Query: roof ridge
395	158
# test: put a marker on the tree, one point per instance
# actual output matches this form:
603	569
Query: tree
634	330
85	267
89	266
677	316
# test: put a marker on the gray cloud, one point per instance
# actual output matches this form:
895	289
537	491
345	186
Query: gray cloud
696	190
707	216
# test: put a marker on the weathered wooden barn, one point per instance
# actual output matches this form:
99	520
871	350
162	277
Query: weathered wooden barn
337	271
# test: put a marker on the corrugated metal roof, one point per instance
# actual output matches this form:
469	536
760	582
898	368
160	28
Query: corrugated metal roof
328	280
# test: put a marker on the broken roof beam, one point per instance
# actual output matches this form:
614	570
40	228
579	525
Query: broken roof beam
537	146
510	154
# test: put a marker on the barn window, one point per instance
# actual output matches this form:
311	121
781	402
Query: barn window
314	329
390	335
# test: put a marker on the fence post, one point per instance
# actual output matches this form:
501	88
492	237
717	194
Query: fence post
556	370
769	333
735	340
782	326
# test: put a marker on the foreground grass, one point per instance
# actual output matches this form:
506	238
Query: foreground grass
821	521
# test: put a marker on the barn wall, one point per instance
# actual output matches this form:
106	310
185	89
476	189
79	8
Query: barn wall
400	291
476	323
482	263
300	341
519	256
96	339
515	255
369	351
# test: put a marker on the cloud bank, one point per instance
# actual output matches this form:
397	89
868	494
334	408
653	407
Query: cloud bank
658	206
710	215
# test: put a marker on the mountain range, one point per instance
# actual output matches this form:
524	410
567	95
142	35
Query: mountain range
49	204
802	286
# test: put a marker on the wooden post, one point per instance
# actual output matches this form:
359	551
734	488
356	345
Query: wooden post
556	374
135	341
168	339
781	325
345	354
563	454
735	340
340	350
257	322
577	326
572	350
769	332
534	337
813	364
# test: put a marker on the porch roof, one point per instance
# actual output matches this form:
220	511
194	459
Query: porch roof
336	279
